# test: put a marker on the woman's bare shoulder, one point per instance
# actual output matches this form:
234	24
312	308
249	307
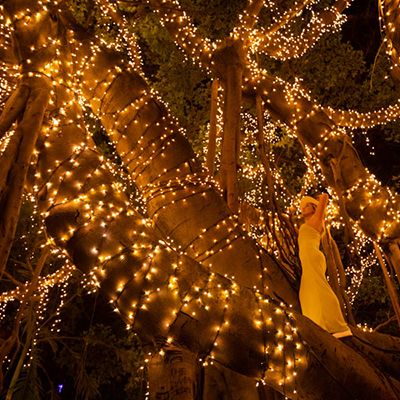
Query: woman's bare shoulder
315	223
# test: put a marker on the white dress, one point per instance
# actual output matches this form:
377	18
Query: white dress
317	299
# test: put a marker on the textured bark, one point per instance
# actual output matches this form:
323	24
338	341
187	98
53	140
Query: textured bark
231	133
228	63
394	297
389	10
174	375
26	106
212	134
27	132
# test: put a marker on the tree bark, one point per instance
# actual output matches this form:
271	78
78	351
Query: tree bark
277	45
231	136
394	297
389	10
26	106
173	375
228	62
27	132
212	134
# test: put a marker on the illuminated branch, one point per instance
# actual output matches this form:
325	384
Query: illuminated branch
12	339
248	18
15	160
122	24
355	119
231	133
284	46
185	34
374	207
390	15
212	134
26	107
297	9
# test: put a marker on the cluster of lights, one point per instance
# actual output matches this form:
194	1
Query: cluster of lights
389	19
185	34
286	45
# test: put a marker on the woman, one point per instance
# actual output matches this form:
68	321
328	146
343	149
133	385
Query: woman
317	299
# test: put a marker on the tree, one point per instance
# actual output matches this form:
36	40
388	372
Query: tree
187	276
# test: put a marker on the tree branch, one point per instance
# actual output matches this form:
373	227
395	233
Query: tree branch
284	47
175	20
389	12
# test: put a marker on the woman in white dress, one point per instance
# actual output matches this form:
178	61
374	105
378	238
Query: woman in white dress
317	299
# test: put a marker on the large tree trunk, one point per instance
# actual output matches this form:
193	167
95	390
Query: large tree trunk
17	159
181	289
169	167
230	65
25	107
174	374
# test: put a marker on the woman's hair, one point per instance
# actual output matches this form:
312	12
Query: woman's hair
306	200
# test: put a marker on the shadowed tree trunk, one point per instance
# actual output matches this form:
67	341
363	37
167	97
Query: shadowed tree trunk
32	96
212	135
229	65
173	374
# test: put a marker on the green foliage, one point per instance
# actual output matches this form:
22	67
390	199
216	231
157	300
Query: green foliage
337	75
187	94
287	154
82	10
180	83
214	19
372	304
106	365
